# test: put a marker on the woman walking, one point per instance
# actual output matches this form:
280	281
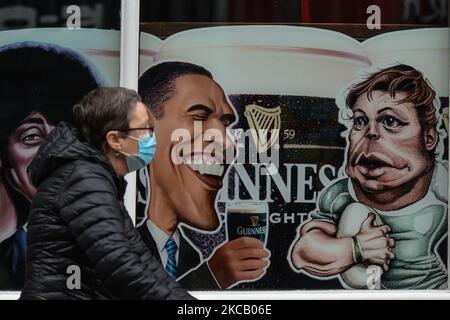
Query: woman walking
81	241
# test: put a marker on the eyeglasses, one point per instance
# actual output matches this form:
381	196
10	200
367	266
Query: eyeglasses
150	130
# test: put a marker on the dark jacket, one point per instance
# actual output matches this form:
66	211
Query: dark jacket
78	219
194	274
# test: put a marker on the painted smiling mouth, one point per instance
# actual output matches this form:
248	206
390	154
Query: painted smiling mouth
206	169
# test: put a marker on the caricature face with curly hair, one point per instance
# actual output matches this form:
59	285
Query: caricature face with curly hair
388	147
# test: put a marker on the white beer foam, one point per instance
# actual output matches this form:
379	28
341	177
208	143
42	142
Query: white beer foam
424	49
247	207
278	60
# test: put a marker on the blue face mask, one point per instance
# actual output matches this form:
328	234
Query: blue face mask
147	148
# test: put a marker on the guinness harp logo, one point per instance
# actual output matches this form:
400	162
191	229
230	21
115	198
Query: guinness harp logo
254	220
264	124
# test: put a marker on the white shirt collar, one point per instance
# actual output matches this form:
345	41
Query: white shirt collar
161	237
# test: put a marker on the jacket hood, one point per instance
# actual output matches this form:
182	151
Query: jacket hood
63	146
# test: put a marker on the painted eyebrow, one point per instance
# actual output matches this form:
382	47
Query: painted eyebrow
200	107
385	109
31	121
360	110
228	117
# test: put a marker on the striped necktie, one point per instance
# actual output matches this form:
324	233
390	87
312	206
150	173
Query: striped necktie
171	266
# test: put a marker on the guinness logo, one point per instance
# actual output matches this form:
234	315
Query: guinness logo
254	220
264	124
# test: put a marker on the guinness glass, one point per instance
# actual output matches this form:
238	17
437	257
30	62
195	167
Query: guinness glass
247	219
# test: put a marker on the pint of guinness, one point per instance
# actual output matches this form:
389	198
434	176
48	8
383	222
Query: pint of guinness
247	219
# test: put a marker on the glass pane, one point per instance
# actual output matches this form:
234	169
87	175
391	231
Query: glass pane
325	96
44	72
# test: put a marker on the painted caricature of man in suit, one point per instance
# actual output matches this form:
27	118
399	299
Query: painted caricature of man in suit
182	96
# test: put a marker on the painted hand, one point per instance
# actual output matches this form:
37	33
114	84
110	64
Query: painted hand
242	259
375	244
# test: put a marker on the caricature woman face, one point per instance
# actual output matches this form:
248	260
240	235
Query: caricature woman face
23	144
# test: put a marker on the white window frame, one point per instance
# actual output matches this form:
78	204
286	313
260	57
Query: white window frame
129	71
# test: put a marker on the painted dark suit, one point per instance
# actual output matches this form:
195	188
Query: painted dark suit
193	272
